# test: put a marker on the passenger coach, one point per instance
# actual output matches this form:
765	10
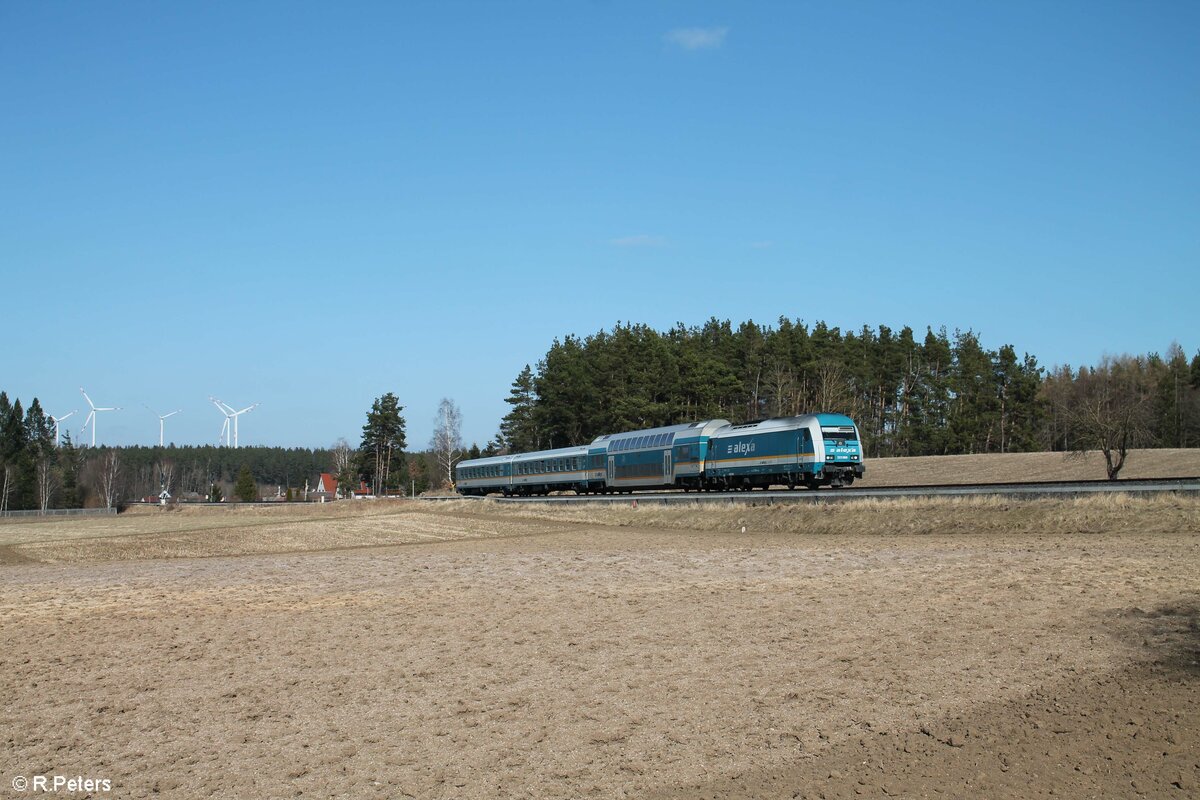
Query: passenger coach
657	457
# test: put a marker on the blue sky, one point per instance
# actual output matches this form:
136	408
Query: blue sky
310	204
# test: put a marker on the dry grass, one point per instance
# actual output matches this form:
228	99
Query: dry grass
892	516
209	532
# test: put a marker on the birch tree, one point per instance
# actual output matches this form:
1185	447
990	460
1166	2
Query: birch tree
447	438
46	479
109	477
6	486
344	459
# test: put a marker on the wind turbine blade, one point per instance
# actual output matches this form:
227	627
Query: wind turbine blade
85	397
173	413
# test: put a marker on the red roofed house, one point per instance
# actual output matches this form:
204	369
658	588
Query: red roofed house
326	488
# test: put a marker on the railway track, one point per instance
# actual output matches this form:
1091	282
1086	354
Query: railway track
780	496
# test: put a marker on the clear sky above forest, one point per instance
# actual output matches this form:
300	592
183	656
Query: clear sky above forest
311	204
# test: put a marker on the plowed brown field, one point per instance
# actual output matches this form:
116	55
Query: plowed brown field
913	649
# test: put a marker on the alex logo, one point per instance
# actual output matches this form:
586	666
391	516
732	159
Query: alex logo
741	448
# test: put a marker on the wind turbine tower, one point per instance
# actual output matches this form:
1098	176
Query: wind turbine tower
91	417
161	417
224	434
57	420
230	414
234	416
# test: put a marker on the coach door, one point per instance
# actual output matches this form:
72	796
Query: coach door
612	469
667	476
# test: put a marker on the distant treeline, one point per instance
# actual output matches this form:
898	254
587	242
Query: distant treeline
927	394
36	474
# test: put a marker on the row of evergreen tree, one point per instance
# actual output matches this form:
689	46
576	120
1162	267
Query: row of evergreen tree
930	395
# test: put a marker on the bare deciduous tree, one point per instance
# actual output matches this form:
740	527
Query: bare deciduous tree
345	458
7	486
781	382
832	390
1110	411
166	474
109	476
46	479
447	438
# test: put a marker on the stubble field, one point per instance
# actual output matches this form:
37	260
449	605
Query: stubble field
405	649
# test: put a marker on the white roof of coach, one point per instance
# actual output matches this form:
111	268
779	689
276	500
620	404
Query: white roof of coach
699	428
763	425
484	462
579	450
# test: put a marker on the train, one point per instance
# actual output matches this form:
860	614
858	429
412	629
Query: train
810	450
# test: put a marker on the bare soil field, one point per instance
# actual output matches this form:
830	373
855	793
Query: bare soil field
1021	467
968	648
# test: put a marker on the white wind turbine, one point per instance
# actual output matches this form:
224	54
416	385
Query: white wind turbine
224	434
91	417
57	420
161	417
230	414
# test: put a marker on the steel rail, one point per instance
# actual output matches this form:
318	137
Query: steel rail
1014	490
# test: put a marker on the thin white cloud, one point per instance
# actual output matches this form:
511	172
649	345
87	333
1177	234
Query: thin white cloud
641	240
696	38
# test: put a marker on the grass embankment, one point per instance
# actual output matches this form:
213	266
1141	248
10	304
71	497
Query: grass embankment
1108	513
201	532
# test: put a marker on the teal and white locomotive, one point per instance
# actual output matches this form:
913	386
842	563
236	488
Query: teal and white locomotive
812	450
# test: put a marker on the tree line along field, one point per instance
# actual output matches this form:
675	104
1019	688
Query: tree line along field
943	395
911	395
